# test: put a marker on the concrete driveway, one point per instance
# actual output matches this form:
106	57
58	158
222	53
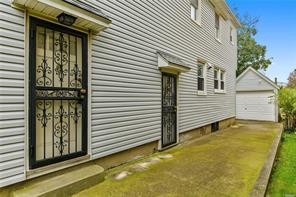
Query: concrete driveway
226	163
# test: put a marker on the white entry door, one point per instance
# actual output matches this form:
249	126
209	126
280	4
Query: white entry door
256	106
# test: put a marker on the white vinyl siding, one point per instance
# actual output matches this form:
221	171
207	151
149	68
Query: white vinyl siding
127	82
195	9
256	106
12	130
251	82
125	79
256	97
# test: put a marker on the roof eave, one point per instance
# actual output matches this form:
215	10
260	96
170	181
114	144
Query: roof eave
259	74
226	11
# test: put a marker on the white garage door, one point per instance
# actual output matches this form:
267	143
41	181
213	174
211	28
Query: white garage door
255	106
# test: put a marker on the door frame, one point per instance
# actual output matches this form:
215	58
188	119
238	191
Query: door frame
32	22
176	75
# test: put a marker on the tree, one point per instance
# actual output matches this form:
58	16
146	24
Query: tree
292	79
287	103
250	53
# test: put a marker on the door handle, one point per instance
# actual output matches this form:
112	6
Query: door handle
175	108
82	92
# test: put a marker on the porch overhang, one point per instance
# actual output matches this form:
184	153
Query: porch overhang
170	63
88	16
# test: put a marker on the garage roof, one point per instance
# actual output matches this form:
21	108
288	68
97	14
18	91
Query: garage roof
246	83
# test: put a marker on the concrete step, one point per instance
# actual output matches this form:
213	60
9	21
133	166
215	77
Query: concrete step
63	184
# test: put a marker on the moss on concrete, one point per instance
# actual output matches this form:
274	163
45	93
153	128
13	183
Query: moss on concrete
226	163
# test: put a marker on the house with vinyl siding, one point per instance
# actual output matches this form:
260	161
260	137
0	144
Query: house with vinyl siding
85	81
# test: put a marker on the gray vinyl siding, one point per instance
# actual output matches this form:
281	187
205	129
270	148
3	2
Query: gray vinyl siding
126	82
12	131
250	81
125	79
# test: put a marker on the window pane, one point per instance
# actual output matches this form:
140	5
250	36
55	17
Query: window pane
222	85
200	70
222	76
216	74
217	22
216	84
200	84
193	13
196	13
231	30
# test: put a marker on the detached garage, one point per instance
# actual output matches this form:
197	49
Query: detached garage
256	97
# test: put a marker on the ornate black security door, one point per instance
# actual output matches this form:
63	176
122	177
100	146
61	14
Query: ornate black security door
169	109
58	97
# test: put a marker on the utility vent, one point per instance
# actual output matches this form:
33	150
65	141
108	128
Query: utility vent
215	126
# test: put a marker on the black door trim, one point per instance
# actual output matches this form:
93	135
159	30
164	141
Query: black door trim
34	22
163	145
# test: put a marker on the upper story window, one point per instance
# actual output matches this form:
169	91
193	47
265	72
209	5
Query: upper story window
231	36
219	80
217	26
201	77
196	11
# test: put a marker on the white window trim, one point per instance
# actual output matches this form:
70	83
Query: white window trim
232	29
219	90
224	73
203	92
197	18
218	37
218	40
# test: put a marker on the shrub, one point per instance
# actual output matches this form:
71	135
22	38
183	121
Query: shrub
287	105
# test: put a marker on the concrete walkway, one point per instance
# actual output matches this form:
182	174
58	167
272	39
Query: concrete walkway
226	163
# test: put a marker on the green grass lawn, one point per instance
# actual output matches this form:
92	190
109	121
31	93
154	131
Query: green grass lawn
283	180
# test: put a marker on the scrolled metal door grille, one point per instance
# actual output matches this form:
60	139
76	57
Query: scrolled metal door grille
169	109
58	99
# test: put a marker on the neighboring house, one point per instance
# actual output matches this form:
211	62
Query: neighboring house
127	75
256	97
282	84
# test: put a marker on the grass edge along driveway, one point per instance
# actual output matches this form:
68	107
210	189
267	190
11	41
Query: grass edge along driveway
283	178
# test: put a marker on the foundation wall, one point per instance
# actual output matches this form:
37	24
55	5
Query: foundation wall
205	130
